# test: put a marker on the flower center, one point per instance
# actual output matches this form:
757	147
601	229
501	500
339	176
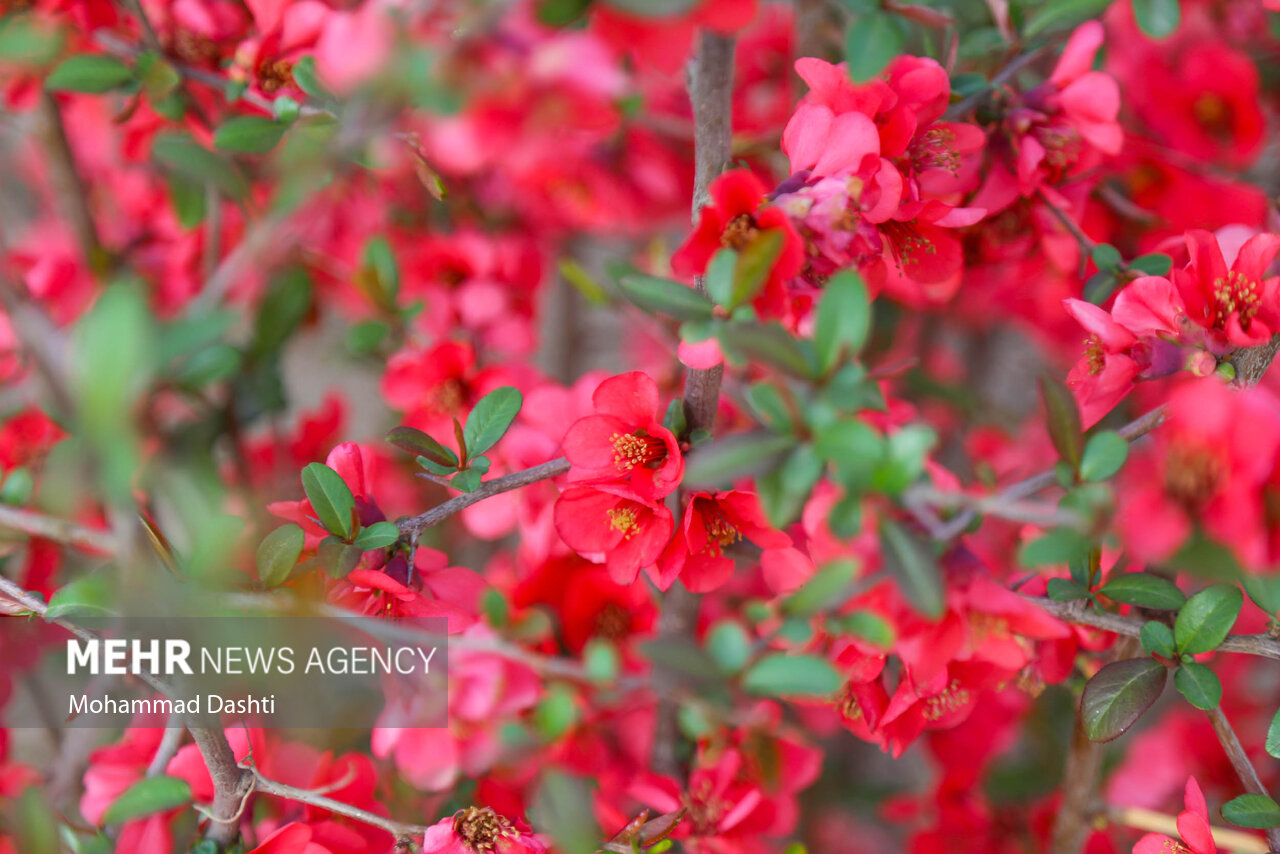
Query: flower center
954	697
480	829
1236	294
446	397
1095	357
720	532
275	74
612	622
1212	113
623	519
1191	475
633	449
849	706
740	232
934	149
907	242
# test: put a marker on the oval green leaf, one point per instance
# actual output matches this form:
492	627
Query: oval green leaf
148	796
490	418
278	553
1145	590
1118	694
915	567
1206	619
1157	18
870	42
663	296
379	535
331	499
791	675
90	73
1104	455
420	444
1256	811
249	134
1199	685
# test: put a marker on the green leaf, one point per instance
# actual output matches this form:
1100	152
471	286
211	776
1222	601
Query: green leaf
1100	286
249	134
379	275
751	269
1198	684
555	713
304	74
1118	694
780	675
1206	619
601	660
88	596
466	481
338	558
490	418
870	42
1157	18
723	461
159	77
1264	590
90	73
278	554
719	276
681	655
1066	590
904	463
1061	14
148	796
582	281
379	535
1273	736
1251	810
854	448
1063	419
331	499
913	564
823	591
663	296
1107	257
729	645
1057	547
420	444
868	625
769	344
1145	590
842	320
1104	454
1157	638
562	805
1154	264
185	156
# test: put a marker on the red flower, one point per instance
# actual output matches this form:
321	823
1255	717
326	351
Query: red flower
625	532
712	521
735	219
1237	305
625	442
480	830
1193	827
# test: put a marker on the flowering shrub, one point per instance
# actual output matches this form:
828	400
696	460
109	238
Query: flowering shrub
852	514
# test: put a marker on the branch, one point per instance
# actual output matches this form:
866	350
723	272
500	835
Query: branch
711	94
417	524
1005	75
410	832
1072	612
1240	761
72	190
58	530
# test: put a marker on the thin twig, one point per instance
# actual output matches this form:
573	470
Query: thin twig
1003	77
417	524
63	531
1072	612
1240	761
316	799
1154	822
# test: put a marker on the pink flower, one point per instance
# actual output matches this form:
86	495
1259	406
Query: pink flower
613	526
625	442
480	830
1238	306
713	521
1193	828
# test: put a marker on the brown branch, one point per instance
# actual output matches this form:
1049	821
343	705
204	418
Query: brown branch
400	830
1074	612
1154	822
711	93
417	524
58	530
1240	761
72	190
